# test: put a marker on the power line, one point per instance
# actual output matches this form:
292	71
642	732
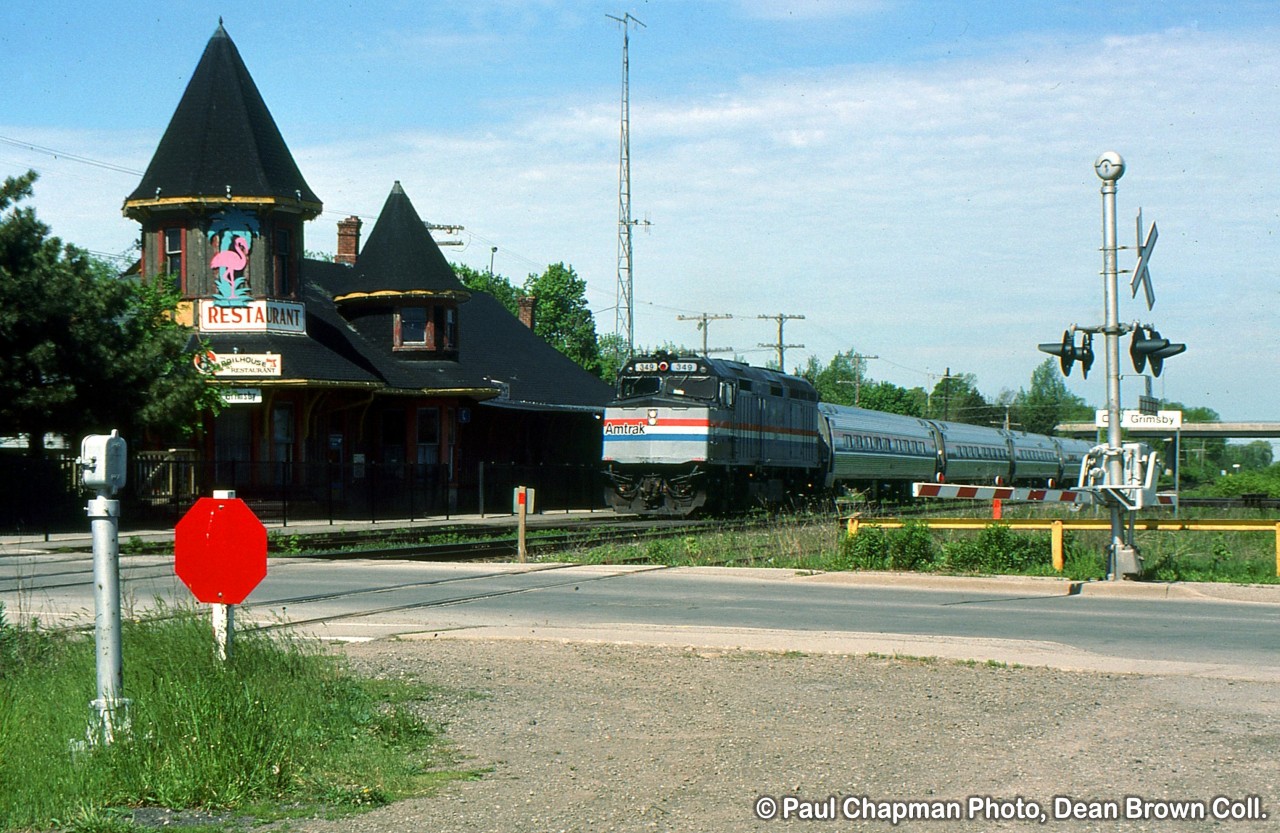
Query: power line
59	154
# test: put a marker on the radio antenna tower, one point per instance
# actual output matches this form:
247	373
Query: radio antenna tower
625	317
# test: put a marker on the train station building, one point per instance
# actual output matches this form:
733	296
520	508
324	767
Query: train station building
348	381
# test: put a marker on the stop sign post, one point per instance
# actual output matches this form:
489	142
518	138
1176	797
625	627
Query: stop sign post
220	553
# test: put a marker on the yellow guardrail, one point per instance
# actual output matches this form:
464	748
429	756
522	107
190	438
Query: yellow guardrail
1057	528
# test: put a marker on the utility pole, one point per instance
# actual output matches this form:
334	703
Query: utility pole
859	362
447	228
703	319
945	378
781	346
625	310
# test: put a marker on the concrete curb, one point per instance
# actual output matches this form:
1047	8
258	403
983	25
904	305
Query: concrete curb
1018	585
1048	586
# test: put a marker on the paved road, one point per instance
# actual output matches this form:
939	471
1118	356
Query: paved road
1034	622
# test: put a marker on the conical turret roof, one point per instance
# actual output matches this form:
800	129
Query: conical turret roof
400	257
222	143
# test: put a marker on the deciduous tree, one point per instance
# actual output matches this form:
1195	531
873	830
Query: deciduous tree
82	350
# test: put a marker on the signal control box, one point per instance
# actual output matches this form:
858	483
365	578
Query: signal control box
104	462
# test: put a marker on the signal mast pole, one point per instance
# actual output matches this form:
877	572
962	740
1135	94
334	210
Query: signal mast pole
625	310
1110	167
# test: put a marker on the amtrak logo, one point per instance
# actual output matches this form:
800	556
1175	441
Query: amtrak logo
653	416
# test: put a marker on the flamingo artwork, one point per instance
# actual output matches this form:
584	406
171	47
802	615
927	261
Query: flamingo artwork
232	288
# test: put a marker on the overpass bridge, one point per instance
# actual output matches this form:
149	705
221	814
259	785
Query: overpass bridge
1228	430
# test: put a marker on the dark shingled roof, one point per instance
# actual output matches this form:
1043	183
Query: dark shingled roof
400	254
222	136
497	352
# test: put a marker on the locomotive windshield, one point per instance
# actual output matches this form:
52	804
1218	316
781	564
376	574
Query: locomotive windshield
704	388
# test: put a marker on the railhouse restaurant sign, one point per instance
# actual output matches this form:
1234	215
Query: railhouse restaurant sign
261	316
238	364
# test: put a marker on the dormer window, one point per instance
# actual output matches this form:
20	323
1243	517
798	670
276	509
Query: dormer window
411	329
430	327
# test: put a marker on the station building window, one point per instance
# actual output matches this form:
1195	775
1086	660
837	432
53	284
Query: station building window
173	258
428	436
282	262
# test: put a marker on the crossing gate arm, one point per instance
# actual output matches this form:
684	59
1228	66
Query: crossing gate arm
958	492
1079	497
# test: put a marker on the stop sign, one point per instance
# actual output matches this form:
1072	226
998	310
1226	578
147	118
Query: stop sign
220	550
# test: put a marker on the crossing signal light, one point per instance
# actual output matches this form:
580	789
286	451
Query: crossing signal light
1069	353
1148	347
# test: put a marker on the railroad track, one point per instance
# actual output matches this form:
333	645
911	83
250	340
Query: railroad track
504	545
65	570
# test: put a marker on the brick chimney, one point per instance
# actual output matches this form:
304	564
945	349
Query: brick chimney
348	241
526	304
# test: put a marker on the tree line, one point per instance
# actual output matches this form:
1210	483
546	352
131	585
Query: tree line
83	350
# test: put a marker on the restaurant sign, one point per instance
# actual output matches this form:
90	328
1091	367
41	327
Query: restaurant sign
260	316
238	364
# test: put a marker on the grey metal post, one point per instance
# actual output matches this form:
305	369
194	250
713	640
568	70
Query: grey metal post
104	522
1110	167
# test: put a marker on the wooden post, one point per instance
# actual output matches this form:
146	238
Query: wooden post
1059	561
224	624
223	616
522	507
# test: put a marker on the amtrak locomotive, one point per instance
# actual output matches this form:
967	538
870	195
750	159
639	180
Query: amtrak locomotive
687	433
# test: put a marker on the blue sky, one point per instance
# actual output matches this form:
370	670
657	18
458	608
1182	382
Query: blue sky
915	178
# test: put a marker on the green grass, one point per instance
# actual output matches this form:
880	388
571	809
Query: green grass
280	730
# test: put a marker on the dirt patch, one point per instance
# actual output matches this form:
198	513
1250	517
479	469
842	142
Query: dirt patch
608	737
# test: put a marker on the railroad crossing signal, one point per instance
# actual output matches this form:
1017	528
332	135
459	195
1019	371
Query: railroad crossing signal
1147	347
220	550
1069	353
1141	272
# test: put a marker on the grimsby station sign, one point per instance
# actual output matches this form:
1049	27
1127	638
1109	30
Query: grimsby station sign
1136	419
261	316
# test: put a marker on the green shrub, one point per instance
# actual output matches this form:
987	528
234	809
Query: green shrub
874	548
998	549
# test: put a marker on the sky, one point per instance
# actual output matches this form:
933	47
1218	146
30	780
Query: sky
915	179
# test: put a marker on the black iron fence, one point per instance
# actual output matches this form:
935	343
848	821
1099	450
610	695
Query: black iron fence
43	496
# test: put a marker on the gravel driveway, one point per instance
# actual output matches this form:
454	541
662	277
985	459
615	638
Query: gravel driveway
608	737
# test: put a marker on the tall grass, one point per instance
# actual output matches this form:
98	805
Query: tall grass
817	542
281	723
